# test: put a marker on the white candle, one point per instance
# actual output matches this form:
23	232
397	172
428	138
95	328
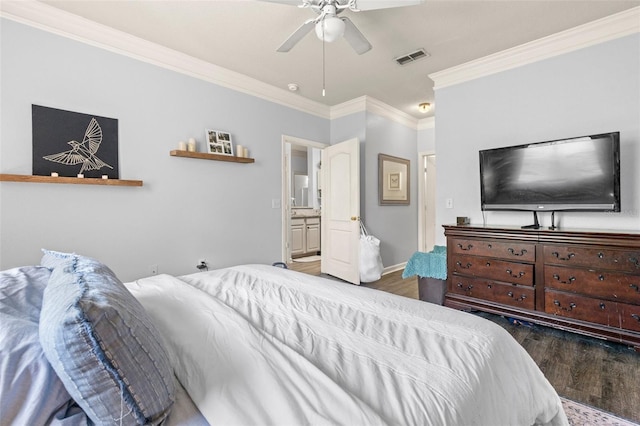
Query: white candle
192	145
80	175
182	146
105	177
54	174
239	151
245	152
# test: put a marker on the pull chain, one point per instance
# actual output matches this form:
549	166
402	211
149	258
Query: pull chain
323	60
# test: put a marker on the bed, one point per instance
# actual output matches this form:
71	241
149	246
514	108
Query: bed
250	345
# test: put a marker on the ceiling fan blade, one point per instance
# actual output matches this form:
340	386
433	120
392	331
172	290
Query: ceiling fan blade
355	38
297	35
382	4
290	2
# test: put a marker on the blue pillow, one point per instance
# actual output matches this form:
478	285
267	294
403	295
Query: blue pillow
30	391
103	345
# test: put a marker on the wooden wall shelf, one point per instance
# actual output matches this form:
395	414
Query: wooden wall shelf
72	180
207	156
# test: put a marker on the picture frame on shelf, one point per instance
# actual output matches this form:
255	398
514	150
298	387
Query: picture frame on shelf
218	142
393	180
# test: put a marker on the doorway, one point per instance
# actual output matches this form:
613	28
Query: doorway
426	201
301	192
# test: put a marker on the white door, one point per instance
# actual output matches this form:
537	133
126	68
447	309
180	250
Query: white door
341	211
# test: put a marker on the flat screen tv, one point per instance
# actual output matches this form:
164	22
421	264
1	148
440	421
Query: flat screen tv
576	174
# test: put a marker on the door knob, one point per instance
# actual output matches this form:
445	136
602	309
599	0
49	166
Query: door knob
355	218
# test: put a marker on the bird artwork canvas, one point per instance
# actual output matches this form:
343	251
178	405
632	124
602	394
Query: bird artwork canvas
71	143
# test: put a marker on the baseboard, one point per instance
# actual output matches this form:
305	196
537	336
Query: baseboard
393	268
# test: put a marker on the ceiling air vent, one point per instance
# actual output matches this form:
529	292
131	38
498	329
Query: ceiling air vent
410	57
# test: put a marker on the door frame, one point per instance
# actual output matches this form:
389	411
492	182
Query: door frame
426	198
286	190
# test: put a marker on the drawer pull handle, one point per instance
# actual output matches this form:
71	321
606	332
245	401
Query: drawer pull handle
635	287
513	252
600	255
469	246
635	261
519	299
569	281
635	317
569	256
489	286
571	305
602	306
601	277
467	266
469	287
510	272
488	264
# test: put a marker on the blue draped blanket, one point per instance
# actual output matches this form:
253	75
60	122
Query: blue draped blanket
431	265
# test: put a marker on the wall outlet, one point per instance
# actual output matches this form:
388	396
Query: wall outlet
153	269
449	203
202	265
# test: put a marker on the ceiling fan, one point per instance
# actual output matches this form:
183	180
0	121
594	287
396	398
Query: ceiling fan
329	27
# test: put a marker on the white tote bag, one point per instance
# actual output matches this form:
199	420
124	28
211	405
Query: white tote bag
370	260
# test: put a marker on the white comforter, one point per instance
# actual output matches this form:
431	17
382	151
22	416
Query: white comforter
263	345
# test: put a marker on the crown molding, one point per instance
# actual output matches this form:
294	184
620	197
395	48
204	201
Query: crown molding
380	108
56	21
347	108
373	105
611	27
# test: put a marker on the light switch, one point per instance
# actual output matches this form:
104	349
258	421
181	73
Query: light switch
275	203
449	203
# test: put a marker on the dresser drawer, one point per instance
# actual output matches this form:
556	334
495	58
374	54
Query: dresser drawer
599	284
506	294
297	221
313	220
510	272
582	308
630	317
499	249
593	257
605	312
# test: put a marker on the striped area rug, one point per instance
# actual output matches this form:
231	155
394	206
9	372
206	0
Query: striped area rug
584	415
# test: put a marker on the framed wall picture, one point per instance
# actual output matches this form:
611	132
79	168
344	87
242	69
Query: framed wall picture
72	143
218	142
393	180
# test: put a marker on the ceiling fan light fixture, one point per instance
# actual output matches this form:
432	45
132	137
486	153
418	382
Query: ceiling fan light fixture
332	27
424	107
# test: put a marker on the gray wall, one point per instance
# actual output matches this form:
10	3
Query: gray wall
187	209
427	140
592	90
395	226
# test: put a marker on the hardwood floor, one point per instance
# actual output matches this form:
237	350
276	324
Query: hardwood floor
591	371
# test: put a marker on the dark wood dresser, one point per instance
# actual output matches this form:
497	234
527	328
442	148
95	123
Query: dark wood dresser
582	281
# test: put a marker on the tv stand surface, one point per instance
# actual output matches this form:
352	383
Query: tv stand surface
587	282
